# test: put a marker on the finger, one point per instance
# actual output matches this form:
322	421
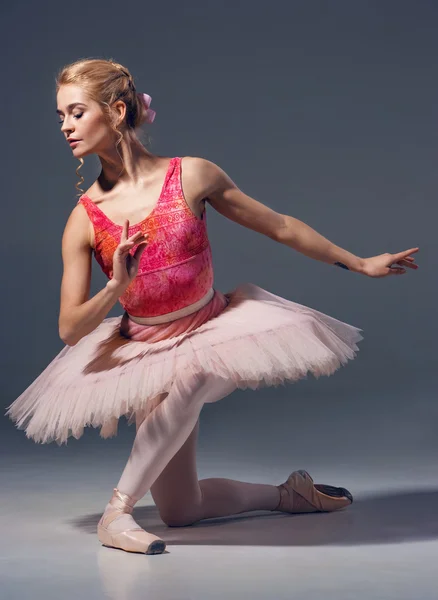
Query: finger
125	230
141	240
400	255
140	250
396	271
132	241
126	243
124	247
138	234
405	263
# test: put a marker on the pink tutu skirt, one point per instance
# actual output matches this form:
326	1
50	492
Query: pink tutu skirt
249	336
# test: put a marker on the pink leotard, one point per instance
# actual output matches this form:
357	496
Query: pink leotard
176	267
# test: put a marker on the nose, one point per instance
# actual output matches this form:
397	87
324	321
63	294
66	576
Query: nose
65	128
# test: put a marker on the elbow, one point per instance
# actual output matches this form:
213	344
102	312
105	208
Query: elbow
67	339
66	335
279	232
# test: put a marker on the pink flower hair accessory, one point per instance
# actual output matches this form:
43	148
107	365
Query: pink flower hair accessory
150	114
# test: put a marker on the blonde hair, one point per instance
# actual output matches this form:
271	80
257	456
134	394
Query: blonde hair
105	81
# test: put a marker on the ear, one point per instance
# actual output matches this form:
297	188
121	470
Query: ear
120	109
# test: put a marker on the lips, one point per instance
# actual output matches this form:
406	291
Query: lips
71	140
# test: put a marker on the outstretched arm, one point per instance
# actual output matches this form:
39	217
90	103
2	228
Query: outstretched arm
225	197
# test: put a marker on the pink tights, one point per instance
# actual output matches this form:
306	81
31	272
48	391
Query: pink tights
163	460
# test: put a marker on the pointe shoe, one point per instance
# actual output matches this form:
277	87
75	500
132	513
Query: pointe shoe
300	495
131	540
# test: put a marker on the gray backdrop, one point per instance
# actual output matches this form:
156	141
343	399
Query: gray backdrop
326	111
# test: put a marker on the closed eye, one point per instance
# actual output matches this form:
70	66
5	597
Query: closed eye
78	116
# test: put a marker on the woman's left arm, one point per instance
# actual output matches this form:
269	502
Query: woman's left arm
225	197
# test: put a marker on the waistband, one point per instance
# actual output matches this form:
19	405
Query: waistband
176	314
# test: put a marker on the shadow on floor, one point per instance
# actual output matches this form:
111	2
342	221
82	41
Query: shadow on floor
395	517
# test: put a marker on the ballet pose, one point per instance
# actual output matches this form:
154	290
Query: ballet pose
180	342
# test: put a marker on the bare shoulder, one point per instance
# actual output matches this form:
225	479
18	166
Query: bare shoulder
78	228
202	175
79	224
196	166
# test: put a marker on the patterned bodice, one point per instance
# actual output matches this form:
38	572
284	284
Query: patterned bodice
176	267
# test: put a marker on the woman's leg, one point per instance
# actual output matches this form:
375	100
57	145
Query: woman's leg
163	432
182	500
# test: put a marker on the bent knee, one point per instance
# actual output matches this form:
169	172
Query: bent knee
205	387
178	520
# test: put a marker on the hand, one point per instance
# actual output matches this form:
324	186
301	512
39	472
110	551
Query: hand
380	266
125	265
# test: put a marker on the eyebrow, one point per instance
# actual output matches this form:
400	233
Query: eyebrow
72	105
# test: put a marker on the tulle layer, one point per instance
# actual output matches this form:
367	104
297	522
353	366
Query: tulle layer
249	336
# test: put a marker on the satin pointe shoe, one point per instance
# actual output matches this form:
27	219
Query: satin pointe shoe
300	495
131	540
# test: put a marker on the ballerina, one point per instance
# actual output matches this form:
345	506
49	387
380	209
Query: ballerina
180	342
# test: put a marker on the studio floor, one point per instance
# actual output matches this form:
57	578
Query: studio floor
384	546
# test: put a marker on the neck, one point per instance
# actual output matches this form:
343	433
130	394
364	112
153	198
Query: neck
136	166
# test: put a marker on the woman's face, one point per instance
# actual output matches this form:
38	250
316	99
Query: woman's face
83	119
